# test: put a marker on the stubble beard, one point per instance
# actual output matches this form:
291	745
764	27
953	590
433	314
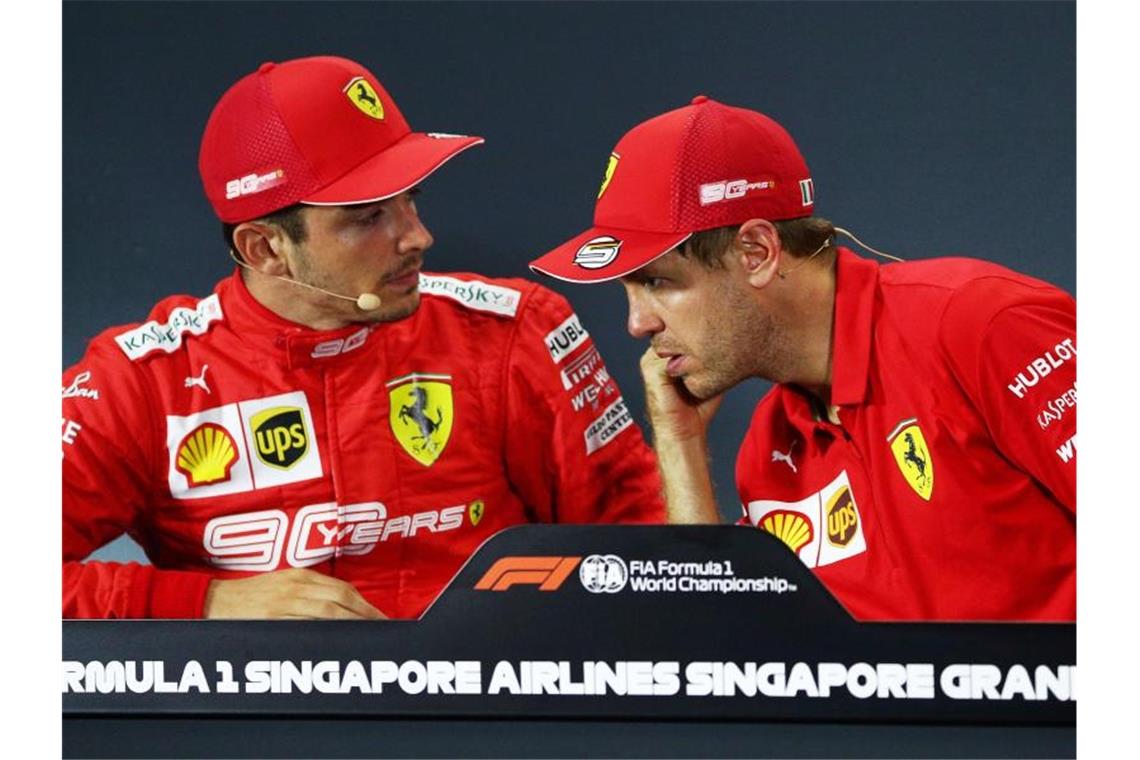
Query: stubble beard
749	342
406	307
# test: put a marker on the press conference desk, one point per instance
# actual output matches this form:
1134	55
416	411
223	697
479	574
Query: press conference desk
574	641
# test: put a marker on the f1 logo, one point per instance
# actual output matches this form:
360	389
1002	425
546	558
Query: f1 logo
548	573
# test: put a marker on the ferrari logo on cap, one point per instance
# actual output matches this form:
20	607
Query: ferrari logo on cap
420	413
913	457
610	167
361	94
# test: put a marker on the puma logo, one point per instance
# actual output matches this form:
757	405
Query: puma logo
199	381
779	456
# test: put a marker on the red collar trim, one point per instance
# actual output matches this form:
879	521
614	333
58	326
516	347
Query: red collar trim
295	344
856	289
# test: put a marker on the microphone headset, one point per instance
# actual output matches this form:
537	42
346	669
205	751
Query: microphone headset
364	301
840	230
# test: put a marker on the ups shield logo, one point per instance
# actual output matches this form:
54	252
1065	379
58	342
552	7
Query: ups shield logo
280	438
842	518
363	96
421	415
913	457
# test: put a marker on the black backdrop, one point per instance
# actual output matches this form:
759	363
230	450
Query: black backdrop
930	128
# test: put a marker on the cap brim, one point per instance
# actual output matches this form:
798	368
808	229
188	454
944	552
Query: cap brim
606	253
400	167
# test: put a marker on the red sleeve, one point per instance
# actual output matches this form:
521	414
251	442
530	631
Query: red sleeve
1013	348
108	435
574	452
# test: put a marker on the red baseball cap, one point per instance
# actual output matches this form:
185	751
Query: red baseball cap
699	167
320	131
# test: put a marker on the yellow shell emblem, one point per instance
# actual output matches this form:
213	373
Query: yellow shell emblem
913	457
790	527
610	167
362	95
206	455
421	414
475	512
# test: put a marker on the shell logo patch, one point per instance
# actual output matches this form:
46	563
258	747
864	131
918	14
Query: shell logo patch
421	414
206	455
913	456
362	95
611	166
823	527
475	512
790	527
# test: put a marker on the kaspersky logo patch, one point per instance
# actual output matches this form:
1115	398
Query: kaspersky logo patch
361	94
913	457
280	436
611	167
206	455
421	414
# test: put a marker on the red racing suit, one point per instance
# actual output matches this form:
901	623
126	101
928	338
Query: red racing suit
947	490
228	441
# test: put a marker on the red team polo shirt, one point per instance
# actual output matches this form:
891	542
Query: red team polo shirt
948	490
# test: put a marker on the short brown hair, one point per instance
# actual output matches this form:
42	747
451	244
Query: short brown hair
289	219
800	237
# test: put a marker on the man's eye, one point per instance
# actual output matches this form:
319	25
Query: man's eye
653	283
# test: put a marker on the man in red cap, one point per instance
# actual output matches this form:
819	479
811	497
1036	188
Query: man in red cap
332	432
919	448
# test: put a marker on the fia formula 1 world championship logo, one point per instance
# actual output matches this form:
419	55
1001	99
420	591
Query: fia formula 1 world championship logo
603	573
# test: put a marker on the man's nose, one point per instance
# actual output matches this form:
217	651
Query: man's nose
414	237
643	320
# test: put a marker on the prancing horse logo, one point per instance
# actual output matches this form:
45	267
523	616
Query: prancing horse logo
421	414
361	95
417	413
913	456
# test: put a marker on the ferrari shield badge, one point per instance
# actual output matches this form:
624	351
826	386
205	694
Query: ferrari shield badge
475	512
364	97
421	414
611	165
913	457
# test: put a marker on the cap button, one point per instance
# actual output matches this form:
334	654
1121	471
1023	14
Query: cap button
265	67
699	99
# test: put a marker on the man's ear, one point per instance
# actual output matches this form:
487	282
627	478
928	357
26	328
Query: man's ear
262	247
760	252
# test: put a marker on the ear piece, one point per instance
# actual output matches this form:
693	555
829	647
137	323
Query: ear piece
784	275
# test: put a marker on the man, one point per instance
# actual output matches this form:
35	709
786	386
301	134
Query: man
919	448
332	432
